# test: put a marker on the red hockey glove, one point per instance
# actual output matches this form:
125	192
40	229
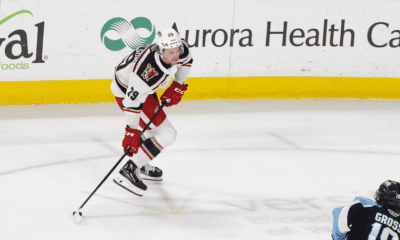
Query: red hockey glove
173	94
132	139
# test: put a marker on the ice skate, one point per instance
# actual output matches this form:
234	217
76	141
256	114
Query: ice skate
150	172
130	179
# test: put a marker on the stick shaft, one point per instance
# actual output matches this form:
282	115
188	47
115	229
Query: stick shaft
141	141
104	179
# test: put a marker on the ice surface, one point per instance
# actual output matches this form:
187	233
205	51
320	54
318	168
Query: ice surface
254	169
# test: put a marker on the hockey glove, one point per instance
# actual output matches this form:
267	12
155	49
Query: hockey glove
173	94
132	139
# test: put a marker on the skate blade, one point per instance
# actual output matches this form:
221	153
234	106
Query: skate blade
145	177
127	187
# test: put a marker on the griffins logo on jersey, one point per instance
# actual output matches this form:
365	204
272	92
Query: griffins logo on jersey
149	72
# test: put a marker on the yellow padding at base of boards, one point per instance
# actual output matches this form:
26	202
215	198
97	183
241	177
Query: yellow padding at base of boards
98	90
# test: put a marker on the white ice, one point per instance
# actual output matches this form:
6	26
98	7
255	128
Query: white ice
249	169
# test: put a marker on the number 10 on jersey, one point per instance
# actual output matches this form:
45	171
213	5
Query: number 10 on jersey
386	232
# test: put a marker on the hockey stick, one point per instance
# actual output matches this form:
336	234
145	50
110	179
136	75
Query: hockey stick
77	215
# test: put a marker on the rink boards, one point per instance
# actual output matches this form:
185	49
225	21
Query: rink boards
253	49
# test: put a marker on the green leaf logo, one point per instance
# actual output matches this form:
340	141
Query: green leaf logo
129	36
13	15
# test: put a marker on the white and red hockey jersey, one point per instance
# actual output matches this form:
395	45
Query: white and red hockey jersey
143	72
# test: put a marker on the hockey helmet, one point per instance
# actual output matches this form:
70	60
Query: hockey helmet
388	194
168	38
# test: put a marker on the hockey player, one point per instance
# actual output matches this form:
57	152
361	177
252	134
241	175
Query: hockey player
136	80
366	219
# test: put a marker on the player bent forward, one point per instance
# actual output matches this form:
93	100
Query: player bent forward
366	219
136	80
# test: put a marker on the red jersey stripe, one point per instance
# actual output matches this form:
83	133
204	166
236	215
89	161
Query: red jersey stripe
121	82
132	111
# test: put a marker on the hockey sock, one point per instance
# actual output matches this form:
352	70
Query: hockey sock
149	149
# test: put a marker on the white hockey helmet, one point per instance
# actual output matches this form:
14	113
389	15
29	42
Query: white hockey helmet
168	38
